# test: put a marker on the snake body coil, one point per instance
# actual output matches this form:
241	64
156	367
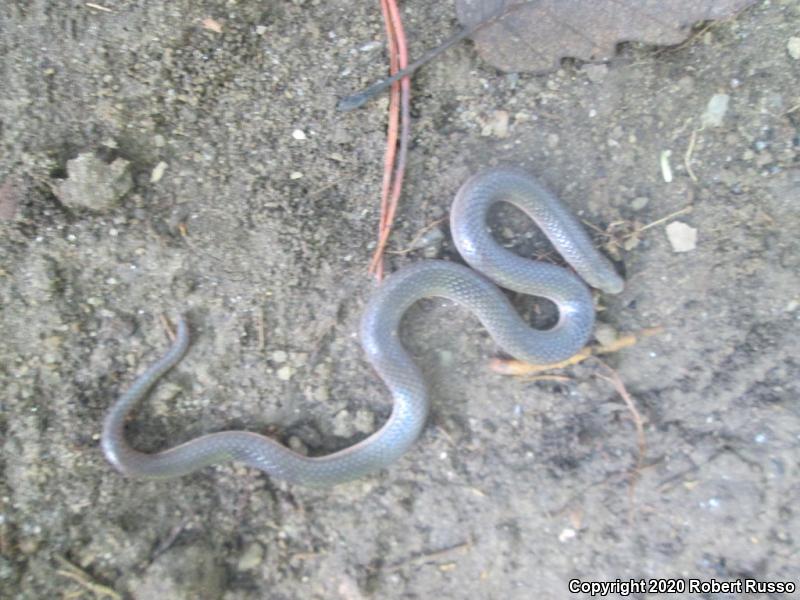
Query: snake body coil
379	337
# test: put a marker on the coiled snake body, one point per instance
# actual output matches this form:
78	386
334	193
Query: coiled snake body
379	337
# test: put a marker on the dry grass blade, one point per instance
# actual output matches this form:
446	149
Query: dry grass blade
97	7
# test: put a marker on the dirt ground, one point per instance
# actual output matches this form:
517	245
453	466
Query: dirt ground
262	234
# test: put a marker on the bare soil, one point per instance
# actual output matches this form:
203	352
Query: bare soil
263	239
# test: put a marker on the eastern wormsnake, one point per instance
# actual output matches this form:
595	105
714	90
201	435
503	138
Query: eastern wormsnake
380	339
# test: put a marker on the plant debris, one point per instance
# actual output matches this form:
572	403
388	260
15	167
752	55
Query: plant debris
534	36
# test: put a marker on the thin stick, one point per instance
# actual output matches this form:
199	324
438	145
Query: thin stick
687	158
168	542
83	579
358	99
677	213
429	556
325	187
167	327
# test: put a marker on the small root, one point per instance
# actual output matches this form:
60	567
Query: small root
638	422
520	368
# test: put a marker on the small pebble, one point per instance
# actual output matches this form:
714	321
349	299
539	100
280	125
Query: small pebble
158	172
95	184
364	421
252	556
640	202
342	425
496	125
296	444
793	46
285	373
295	175
682	237
28	545
370	46
566	535
666	169
431	243
606	334
432	237
522	117
715	110
279	356
299	134
445	358
162	402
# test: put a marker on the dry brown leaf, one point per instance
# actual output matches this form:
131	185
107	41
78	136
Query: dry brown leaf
535	35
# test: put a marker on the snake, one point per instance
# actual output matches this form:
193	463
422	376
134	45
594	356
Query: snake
474	287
